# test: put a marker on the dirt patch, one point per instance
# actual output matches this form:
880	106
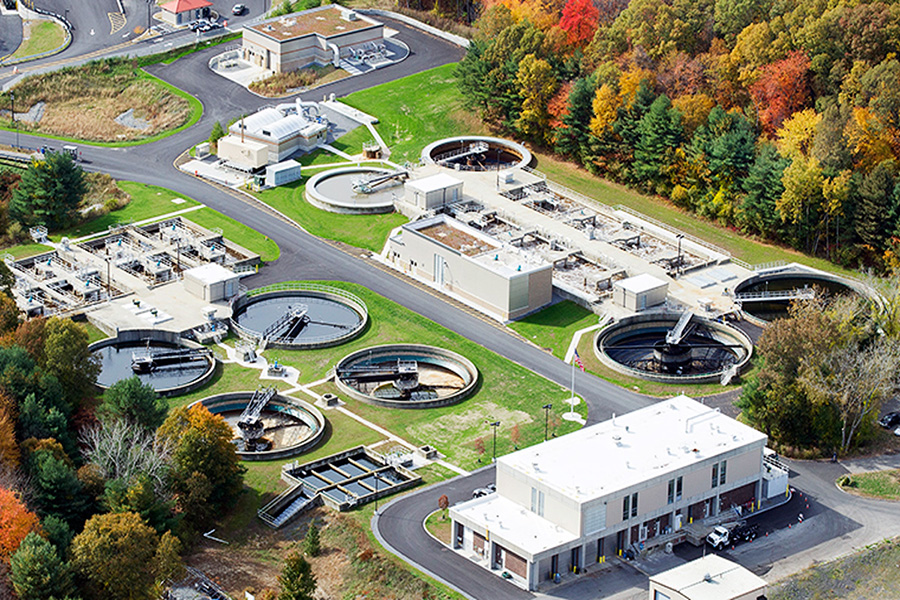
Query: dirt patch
88	102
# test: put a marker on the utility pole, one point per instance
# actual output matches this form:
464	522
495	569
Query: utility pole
546	408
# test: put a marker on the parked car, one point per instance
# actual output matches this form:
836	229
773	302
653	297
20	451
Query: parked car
238	9
195	25
890	421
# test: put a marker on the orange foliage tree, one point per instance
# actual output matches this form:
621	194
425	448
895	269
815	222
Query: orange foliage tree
781	90
558	107
16	521
579	21
9	450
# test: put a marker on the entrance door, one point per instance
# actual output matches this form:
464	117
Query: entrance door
460	532
620	540
575	559
554	566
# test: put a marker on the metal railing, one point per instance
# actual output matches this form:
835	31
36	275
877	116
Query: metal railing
673	230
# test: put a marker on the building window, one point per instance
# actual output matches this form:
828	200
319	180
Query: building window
671	494
722	466
537	502
625	510
715	475
679	487
675	488
634	504
718	473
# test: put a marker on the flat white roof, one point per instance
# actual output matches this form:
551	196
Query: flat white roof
285	165
641	445
513	523
249	144
640	283
210	273
725	579
509	261
432	183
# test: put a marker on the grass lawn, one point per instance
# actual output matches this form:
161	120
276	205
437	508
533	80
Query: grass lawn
236	232
43	36
553	327
352	142
26	250
507	392
229	377
95	334
869	573
320	157
877	484
363	231
147	201
415	111
438	525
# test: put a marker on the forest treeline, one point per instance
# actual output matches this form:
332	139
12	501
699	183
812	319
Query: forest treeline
778	118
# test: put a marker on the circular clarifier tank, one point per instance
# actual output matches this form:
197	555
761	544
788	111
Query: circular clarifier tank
289	426
670	348
161	359
406	376
767	295
476	153
298	316
356	190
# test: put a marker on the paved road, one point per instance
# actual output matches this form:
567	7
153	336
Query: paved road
10	33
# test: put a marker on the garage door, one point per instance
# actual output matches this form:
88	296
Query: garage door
478	542
516	564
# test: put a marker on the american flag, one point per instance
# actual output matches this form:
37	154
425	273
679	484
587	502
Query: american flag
578	361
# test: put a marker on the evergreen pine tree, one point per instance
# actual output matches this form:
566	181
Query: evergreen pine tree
572	136
297	580
660	134
311	545
37	572
49	192
875	202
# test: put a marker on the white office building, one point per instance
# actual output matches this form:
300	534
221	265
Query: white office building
575	500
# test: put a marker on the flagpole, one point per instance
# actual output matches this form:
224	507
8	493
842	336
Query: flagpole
573	381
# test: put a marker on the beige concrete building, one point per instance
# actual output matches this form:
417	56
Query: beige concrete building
318	36
640	292
463	261
434	191
709	578
572	501
249	154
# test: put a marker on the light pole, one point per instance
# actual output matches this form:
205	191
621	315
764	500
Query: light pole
12	111
149	3
495	425
546	408
679	237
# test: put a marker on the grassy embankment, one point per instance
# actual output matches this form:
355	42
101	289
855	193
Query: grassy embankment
39	37
884	485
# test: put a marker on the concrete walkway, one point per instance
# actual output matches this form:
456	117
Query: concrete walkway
576	338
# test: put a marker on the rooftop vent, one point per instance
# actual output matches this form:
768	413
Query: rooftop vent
707	578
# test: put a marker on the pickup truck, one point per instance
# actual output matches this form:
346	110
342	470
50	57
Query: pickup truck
721	536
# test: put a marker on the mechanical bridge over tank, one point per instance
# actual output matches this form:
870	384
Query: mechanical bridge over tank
368	185
150	360
250	423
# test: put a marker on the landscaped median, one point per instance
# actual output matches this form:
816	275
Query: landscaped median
108	102
884	485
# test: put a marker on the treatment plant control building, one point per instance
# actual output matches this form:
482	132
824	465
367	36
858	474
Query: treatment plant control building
316	36
458	258
650	472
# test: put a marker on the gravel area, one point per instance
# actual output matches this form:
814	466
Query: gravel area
34	114
128	119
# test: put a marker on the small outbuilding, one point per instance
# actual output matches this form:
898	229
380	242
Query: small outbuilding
211	282
283	173
709	578
640	292
434	191
181	12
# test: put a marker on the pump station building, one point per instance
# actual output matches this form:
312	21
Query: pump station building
574	500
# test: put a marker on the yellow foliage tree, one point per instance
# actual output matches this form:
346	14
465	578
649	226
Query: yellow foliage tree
797	133
605	104
537	84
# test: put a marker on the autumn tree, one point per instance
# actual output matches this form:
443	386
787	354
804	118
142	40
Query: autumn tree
68	359
16	522
9	449
38	572
207	472
854	381
296	580
135	402
116	555
781	90
579	21
443	504
537	84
